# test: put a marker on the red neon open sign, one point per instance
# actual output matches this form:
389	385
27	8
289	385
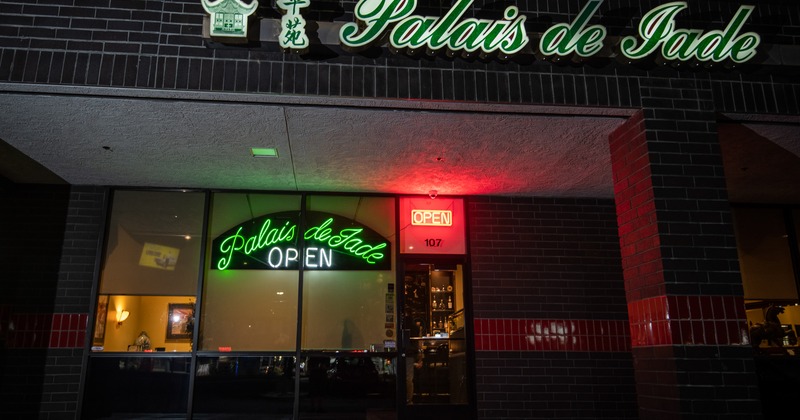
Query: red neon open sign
429	226
431	217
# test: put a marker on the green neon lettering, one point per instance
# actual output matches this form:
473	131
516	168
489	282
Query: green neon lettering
267	236
317	232
347	241
351	244
228	246
373	257
337	241
363	249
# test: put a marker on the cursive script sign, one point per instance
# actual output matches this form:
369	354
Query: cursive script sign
330	243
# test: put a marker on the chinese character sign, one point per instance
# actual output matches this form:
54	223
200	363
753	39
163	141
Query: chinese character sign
293	26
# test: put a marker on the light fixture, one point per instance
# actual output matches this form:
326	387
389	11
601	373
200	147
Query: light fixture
122	315
433	194
260	152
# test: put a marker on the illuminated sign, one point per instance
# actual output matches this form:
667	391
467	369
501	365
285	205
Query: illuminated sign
431	217
395	23
432	226
229	17
271	242
658	31
407	31
293	25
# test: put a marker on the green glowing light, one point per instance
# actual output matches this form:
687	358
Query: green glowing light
264	152
270	242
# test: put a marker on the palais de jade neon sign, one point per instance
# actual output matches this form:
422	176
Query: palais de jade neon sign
395	21
271	242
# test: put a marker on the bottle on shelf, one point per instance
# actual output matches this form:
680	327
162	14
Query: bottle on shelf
449	302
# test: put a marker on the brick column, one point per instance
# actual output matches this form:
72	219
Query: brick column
49	236
689	340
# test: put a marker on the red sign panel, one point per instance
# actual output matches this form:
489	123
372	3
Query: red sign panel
432	226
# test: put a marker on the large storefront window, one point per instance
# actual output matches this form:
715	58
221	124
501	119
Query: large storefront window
247	305
353	308
146	306
768	257
149	276
299	311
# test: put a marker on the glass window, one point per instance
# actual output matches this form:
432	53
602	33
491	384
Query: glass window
257	386
348	386
764	255
136	387
250	290
436	331
347	304
151	262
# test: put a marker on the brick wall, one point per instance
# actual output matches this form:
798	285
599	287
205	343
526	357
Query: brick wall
50	236
688	325
551	332
158	44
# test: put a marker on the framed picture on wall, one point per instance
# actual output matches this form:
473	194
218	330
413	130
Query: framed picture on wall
180	321
100	320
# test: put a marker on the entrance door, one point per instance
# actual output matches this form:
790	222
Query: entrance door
433	347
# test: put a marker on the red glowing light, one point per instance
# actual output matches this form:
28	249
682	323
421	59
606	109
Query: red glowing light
432	226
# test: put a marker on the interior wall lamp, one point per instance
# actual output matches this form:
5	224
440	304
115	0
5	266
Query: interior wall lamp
122	315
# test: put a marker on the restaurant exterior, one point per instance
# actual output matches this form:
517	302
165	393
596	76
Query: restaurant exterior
521	289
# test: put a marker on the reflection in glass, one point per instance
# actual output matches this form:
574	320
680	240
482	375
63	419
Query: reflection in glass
433	317
153	245
259	386
764	256
136	387
151	260
347	386
148	316
351	309
248	310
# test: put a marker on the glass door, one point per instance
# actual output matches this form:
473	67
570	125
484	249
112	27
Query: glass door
434	338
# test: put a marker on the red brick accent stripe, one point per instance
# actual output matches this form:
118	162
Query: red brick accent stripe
32	330
551	335
688	320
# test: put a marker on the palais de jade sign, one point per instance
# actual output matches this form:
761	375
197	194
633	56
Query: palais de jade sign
272	242
395	22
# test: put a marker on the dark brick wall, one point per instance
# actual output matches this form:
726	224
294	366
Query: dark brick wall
685	305
558	260
32	223
158	44
552	258
50	237
85	224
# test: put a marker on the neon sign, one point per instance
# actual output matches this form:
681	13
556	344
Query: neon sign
271	242
432	226
431	217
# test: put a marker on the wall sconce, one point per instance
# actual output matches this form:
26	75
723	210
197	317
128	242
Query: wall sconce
122	316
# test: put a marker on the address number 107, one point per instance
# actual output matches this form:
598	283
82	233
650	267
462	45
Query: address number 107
433	242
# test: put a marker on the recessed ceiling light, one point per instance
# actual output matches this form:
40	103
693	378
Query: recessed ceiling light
264	152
